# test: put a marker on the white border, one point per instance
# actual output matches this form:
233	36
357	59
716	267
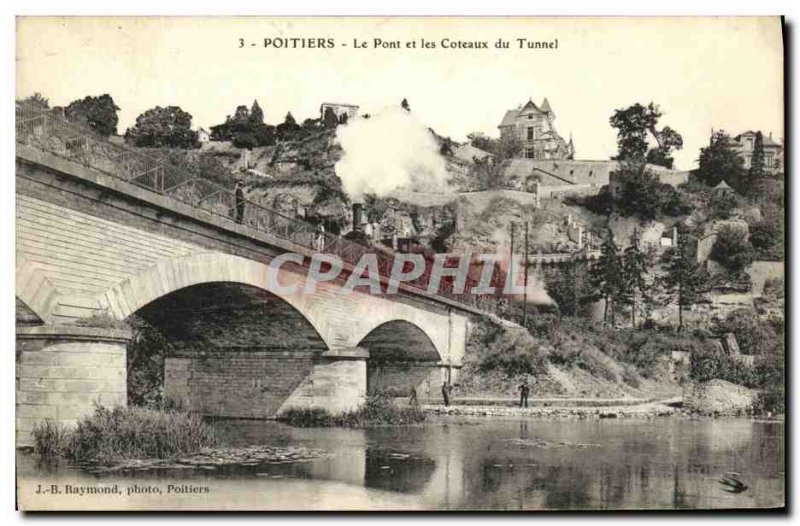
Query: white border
789	8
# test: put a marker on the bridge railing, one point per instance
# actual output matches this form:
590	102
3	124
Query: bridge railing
42	129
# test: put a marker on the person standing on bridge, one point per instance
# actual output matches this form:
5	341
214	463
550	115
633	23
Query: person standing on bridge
524	391
319	238
239	198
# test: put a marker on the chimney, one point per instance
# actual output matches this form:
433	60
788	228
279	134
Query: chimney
358	215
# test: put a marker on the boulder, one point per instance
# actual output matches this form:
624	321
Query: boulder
718	397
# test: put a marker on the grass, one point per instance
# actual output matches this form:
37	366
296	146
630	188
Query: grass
378	410
120	433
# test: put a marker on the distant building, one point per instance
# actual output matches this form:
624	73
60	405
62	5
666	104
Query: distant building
351	110
534	126
773	151
203	135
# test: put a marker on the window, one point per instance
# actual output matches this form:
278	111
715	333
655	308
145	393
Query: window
529	153
530	115
530	133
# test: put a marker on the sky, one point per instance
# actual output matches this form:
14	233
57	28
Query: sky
721	73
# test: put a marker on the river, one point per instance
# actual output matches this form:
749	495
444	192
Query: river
448	464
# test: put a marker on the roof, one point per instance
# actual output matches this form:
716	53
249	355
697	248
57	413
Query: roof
510	118
722	185
767	140
339	104
529	106
546	106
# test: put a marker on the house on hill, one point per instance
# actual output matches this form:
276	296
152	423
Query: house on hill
351	110
745	144
534	126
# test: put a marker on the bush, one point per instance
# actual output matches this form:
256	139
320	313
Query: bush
710	363
111	435
723	205
766	237
772	399
492	346
305	417
732	250
51	440
377	410
753	335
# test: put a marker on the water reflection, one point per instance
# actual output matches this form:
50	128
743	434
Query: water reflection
656	464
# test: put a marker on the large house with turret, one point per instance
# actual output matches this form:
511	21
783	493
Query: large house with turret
534	126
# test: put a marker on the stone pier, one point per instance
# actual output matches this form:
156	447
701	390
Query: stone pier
63	371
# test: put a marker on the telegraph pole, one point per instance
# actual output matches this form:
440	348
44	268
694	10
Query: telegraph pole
525	281
512	243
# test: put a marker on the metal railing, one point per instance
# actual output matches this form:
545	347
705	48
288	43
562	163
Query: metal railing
42	129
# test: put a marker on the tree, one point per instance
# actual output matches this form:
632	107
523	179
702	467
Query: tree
329	118
636	191
98	113
480	141
256	114
163	127
720	160
288	129
487	174
241	115
567	287
668	141
756	173
732	249
37	100
633	125
246	129
508	146
766	237
634	270
605	277
685	279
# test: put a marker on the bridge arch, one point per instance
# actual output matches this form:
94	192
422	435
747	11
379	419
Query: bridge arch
34	292
172	275
401	356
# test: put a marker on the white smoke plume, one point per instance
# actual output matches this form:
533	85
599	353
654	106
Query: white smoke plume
391	150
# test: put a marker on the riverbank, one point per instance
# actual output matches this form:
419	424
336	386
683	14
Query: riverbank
643	410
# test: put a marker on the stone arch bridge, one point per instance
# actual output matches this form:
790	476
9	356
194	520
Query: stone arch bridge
94	250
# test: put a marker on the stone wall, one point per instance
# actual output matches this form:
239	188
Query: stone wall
258	384
229	383
397	379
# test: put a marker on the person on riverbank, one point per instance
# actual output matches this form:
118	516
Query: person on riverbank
524	391
412	400
446	394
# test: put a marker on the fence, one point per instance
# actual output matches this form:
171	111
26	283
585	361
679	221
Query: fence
42	129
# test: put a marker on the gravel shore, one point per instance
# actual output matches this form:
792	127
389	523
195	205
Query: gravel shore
647	410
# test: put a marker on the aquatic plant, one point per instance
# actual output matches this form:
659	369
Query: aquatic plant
377	410
110	435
